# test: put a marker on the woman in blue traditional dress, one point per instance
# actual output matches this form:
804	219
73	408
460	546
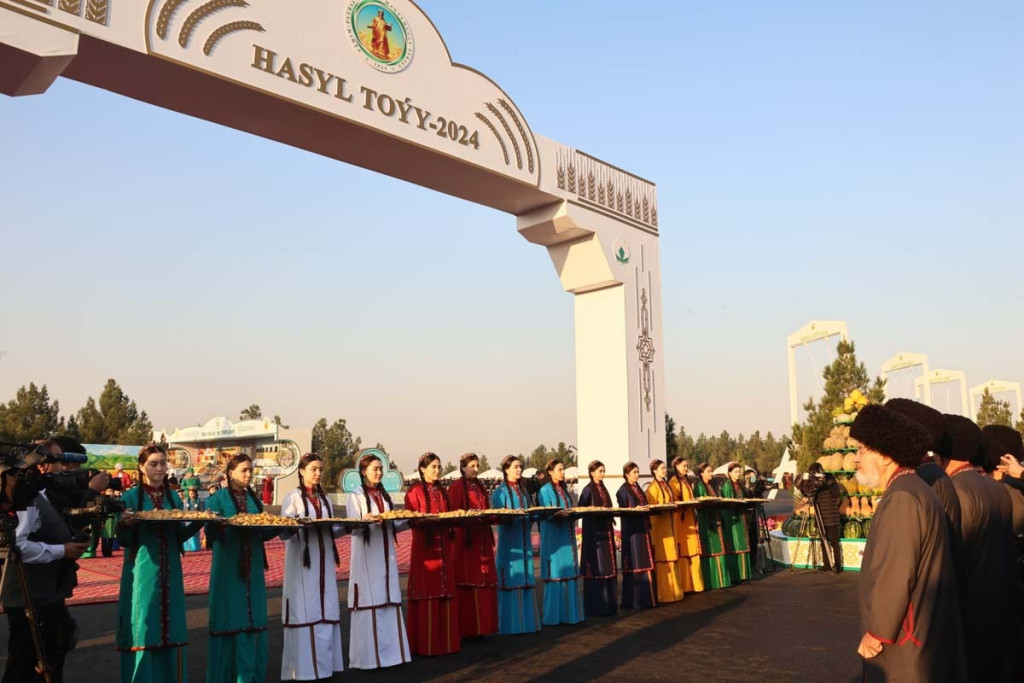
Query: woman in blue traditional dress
237	651
559	568
597	552
638	585
735	528
193	504
151	632
517	603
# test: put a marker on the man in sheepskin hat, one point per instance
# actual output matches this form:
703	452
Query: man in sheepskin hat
986	525
909	602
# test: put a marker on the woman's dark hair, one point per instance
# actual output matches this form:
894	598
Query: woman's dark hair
465	460
231	465
701	467
655	464
561	488
144	453
676	462
516	490
363	464
304	462
732	466
425	461
591	468
629	467
466	483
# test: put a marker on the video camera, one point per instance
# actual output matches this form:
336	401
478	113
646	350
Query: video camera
20	479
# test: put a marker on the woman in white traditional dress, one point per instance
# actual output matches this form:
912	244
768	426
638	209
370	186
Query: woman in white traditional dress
377	637
310	611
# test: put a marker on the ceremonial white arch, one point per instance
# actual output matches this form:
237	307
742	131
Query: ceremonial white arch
321	76
899	380
944	379
996	388
816	330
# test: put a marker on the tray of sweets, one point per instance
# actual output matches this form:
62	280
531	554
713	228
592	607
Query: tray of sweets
662	507
179	516
392	515
542	511
350	522
263	520
591	511
620	512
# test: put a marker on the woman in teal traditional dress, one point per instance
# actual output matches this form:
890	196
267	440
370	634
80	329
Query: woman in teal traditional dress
237	651
712	540
559	567
192	503
151	632
517	603
734	528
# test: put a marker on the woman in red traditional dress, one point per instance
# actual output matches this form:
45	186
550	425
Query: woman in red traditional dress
475	575
433	619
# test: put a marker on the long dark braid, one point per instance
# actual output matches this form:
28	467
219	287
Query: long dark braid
363	464
425	461
306	459
330	529
243	557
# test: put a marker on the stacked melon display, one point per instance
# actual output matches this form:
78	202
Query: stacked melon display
838	459
858	501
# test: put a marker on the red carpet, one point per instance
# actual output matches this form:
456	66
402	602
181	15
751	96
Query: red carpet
99	578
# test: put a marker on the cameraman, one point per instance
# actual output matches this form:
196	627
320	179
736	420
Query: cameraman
823	491
45	541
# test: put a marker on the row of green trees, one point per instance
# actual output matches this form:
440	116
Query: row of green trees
763	453
113	418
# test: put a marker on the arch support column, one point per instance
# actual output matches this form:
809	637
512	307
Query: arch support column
612	269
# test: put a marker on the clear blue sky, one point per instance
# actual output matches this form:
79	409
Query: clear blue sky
859	161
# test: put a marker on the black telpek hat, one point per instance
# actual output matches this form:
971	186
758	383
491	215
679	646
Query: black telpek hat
1009	437
965	438
989	453
892	434
927	417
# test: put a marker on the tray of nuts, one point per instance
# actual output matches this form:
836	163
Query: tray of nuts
178	516
346	522
263	520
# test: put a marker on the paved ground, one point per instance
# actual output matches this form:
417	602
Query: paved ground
784	627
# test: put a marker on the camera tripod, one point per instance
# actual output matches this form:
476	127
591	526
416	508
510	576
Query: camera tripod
10	557
804	527
762	532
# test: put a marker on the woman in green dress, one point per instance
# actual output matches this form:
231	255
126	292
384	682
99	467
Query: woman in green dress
712	540
238	593
734	528
151	633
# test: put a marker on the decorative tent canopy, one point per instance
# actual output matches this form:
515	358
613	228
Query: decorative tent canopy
491	474
530	472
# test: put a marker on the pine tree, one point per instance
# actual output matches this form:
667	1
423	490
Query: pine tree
114	419
841	377
994	412
671	445
30	416
337	447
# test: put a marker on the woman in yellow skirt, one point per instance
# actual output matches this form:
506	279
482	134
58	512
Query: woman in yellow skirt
663	537
687	532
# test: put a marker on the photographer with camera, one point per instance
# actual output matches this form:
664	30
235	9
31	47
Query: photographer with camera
822	492
45	541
